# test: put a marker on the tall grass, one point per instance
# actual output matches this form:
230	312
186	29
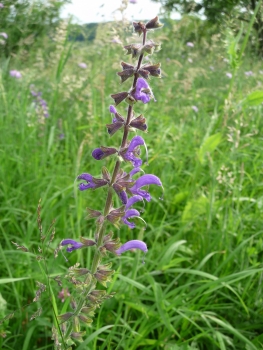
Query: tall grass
200	287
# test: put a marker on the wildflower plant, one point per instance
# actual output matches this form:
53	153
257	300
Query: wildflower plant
126	186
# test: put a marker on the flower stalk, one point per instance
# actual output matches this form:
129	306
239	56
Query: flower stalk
119	182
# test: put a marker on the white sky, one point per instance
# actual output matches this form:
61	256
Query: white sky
86	11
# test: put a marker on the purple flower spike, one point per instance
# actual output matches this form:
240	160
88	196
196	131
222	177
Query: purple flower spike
89	179
145	180
143	91
134	244
130	213
74	244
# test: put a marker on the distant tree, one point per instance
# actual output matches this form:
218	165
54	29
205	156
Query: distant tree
216	10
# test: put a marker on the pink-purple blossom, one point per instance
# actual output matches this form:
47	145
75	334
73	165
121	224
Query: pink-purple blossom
15	74
143	91
189	44
249	73
134	244
1	5
82	65
132	152
4	35
195	109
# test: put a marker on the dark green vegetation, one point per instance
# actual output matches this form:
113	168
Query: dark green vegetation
201	284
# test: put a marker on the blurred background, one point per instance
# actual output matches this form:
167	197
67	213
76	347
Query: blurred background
201	284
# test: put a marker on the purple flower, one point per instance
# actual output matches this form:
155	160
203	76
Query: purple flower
92	182
132	151
82	65
89	179
4	35
229	75
116	40
145	180
134	244
131	213
143	91
195	109
189	44
73	244
249	73
15	74
1	6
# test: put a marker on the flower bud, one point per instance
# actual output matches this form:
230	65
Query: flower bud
119	97
154	23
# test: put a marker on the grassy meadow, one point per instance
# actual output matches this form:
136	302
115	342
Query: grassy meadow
201	285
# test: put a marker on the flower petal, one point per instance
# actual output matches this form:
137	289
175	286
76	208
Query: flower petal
134	244
74	244
132	200
130	213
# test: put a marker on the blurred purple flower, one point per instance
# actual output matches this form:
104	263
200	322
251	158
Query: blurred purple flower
116	40
133	1
40	104
62	136
145	180
229	75
63	294
249	73
134	244
143	91
82	65
4	35
1	6
189	44
195	109
15	74
73	244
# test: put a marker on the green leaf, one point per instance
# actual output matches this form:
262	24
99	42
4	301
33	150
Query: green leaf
254	99
208	146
